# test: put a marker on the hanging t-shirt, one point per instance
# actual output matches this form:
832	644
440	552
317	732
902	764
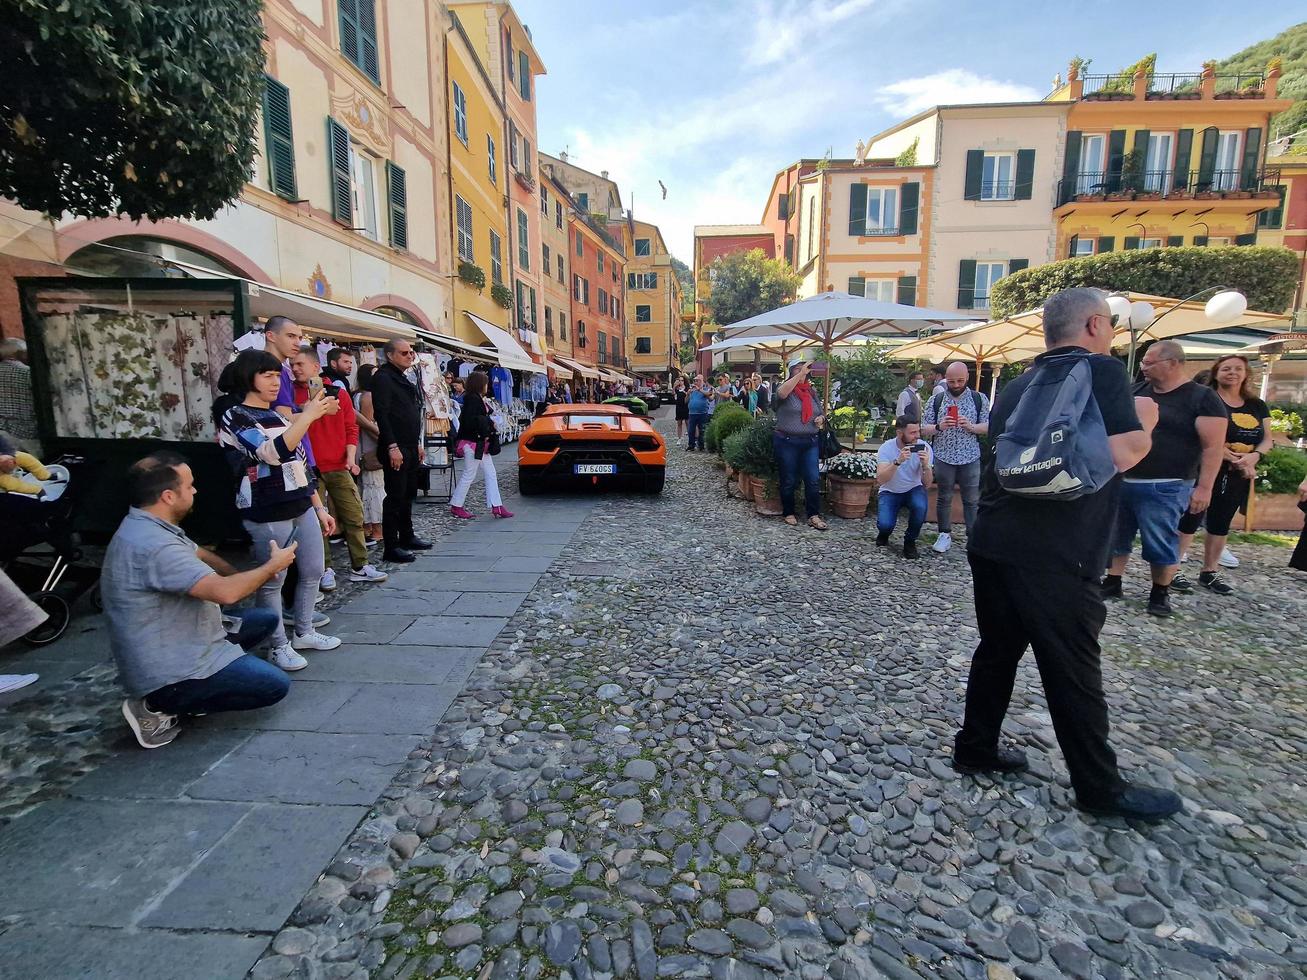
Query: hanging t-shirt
466	368
1247	425
501	382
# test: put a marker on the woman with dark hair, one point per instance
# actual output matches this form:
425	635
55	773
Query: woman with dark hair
372	481
681	395
1247	437
475	428
277	497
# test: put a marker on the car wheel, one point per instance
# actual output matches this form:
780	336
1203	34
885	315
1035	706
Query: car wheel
528	486
654	482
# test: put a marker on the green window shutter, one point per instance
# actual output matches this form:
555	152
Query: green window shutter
1025	174
975	169
1184	147
342	203
1131	242
910	196
1106	243
348	11
1140	150
1071	246
1115	158
1207	159
857	286
1016	265
966	283
1273	217
1249	239
368	60
1252	153
858	209
279	138
1070	167
783	207
907	291
1173	240
524	76
397	184
1200	240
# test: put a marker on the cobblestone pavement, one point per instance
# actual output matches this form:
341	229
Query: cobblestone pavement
712	745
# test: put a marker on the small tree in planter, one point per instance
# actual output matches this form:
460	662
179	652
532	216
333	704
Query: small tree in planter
852	480
727	420
757	458
733	452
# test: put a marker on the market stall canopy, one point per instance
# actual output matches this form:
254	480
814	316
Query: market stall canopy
558	369
610	377
460	347
584	370
512	355
835	318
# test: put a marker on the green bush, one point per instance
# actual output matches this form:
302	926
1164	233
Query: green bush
1282	470
754	454
1287	418
729	418
733	449
1266	274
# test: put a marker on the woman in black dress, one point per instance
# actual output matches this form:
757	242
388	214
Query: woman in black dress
682	407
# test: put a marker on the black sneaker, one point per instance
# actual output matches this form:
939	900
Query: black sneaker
1160	606
1004	760
398	555
882	540
910	549
1211	581
1182	585
1110	590
1146	803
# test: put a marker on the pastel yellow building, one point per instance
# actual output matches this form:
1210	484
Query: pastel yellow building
653	300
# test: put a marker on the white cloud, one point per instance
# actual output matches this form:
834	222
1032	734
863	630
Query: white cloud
950	87
784	28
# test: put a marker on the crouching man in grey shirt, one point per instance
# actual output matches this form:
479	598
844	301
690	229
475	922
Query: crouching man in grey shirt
162	597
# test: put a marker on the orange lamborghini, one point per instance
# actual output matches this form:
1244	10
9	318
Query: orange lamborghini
591	446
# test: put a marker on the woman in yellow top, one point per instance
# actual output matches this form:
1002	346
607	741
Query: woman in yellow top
1247	437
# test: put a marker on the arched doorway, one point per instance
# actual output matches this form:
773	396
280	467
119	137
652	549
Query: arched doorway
139	256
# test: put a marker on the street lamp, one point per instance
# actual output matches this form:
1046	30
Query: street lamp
1225	307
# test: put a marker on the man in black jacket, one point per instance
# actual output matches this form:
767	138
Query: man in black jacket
397	406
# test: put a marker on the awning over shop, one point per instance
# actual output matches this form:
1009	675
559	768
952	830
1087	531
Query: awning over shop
512	355
610	377
583	370
460	347
558	369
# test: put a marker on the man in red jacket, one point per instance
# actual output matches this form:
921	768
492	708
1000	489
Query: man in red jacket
335	448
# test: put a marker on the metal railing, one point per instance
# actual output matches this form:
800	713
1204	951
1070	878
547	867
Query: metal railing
998	190
1122	86
1182	184
891	230
1175	83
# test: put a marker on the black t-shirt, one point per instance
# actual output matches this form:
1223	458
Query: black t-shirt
1177	450
1247	425
1069	536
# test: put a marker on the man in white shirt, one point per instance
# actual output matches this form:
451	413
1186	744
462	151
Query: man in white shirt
903	471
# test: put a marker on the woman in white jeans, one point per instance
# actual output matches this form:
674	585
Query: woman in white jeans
475	427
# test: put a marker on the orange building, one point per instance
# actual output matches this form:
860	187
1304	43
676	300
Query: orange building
598	276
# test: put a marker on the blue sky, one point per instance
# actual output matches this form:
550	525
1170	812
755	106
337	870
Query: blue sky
712	98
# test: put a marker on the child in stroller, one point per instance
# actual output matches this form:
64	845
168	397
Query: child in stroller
22	472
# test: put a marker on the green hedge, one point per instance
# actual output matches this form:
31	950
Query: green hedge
1282	470
1266	274
729	418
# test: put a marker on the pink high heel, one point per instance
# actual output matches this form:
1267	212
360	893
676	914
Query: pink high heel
501	511
462	512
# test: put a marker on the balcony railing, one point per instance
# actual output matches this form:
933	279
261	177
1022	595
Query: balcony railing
891	230
998	190
1151	185
1173	85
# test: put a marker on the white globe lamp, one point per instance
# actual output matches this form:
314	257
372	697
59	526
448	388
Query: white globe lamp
1120	307
1226	307
1141	314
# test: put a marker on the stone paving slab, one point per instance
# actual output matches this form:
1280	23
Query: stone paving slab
392	664
252	880
305	709
400	602
133	774
65	951
393	709
486	582
490	603
305	767
538	564
455	631
375	628
104	862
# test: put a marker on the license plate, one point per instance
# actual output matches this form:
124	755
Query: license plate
594	469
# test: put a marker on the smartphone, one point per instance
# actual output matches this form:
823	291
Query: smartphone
290	538
952	412
819	368
919	447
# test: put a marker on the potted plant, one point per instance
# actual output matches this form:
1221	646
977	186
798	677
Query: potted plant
1093	198
1237	194
473	275
1266	194
1274	506
727	420
734	452
757	459
852	481
502	295
1179	194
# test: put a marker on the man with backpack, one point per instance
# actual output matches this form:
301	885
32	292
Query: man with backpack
955	420
1061	434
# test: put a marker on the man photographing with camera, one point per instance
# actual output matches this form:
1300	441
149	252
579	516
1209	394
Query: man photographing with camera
905	468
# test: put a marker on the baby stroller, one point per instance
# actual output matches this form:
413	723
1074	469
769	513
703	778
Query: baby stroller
38	550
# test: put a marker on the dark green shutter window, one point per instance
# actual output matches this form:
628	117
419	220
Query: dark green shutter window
1016	265
911	196
1273	217
397	183
967	283
1025	174
1106	243
342	203
1207	159
1173	240
1252	152
1071	246
1131	242
858	209
1115	158
358	35
1070	167
857	286
348	11
975	171
907	292
279	139
1200	240
783	207
630	280
1250	239
1140	150
1184	147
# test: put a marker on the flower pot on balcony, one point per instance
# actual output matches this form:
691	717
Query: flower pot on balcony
1207	196
850	498
1238	195
1148	195
1121	196
1267	195
1089	198
1180	194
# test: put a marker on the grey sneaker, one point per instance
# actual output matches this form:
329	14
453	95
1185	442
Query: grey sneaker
152	729
319	618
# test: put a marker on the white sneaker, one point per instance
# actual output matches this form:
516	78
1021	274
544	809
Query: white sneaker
367	574
12	682
370	542
942	543
314	641
319	597
1184	558
286	658
1227	559
319	618
328	583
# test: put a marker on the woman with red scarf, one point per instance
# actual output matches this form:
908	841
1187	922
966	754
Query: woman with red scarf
795	442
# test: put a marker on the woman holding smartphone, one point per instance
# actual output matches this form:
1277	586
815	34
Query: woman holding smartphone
798	421
277	497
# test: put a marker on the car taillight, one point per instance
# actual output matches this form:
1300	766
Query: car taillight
544	444
644	444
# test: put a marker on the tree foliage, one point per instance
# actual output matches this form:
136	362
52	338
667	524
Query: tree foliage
139	107
866	376
1290	45
686	277
745	284
1265	274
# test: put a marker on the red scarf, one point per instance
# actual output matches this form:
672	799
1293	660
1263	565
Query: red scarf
804	390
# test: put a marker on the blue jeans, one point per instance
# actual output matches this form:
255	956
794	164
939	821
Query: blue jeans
247	682
796	456
697	424
889	504
1154	511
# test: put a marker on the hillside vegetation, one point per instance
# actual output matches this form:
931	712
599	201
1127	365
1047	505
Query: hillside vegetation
1291	46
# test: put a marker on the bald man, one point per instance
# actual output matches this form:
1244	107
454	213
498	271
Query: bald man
956	419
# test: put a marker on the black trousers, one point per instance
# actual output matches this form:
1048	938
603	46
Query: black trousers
397	508
1059	616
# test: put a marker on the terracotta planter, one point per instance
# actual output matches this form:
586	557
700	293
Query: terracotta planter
1148	196
1121	196
1237	195
850	498
1267	195
744	483
1089	198
1274	512
730	471
767	506
1179	196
